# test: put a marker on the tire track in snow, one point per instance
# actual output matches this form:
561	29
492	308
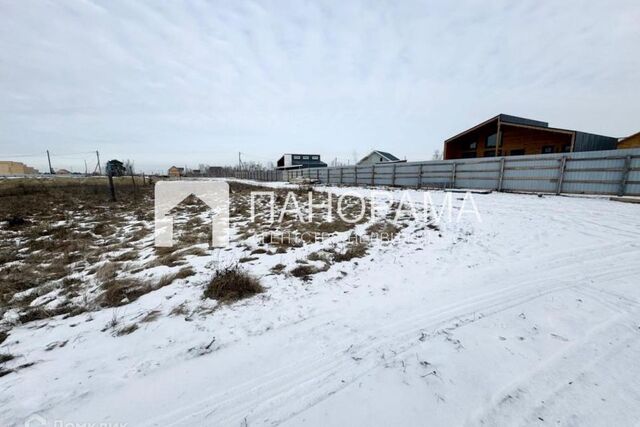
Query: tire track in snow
310	380
530	393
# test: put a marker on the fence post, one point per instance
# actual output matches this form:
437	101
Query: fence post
112	188
625	176
341	175
420	173
355	171
328	177
317	174
563	167
373	175
393	175
501	174
453	175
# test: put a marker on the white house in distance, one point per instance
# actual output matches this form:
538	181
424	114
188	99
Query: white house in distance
379	157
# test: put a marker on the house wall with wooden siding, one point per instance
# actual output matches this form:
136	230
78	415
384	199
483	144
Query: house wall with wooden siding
174	171
532	140
631	142
455	149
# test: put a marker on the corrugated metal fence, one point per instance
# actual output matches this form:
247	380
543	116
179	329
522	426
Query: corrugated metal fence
614	172
256	175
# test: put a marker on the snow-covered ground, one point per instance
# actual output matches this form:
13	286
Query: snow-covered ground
529	317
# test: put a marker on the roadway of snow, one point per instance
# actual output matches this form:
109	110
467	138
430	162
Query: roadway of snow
530	317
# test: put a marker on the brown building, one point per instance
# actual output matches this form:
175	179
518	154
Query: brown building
632	141
16	168
175	171
505	135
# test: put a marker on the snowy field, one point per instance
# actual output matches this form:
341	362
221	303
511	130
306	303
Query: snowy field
530	316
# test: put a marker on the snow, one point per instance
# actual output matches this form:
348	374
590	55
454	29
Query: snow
529	316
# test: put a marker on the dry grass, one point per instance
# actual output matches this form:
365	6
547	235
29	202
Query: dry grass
304	271
232	284
383	230
107	271
126	330
168	279
127	256
179	310
5	357
278	268
122	291
151	316
354	250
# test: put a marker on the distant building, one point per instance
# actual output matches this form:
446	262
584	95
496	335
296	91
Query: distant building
379	157
175	171
300	161
62	172
16	168
215	171
505	135
632	141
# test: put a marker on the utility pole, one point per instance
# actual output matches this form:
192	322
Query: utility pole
239	160
99	167
49	159
86	170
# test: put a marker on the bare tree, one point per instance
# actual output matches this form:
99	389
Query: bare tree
437	155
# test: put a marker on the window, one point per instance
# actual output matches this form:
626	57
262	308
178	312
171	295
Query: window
470	146
296	157
517	152
489	153
469	155
547	149
305	157
491	141
566	148
315	157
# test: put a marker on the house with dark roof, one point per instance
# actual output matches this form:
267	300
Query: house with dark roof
377	156
505	135
300	161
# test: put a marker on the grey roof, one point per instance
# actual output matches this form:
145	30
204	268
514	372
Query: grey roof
386	155
522	121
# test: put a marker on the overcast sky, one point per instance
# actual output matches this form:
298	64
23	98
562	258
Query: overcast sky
193	82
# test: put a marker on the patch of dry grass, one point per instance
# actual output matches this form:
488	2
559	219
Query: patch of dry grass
383	230
232	284
107	271
354	250
168	279
126	330
127	256
122	291
151	316
278	268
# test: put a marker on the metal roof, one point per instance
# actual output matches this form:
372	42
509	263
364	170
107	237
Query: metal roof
386	155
